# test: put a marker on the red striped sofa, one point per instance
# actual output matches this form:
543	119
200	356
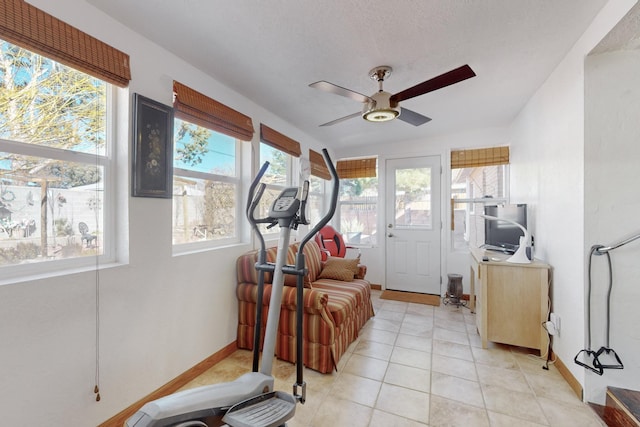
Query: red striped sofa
334	310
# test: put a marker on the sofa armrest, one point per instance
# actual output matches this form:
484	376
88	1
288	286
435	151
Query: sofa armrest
248	292
362	271
315	301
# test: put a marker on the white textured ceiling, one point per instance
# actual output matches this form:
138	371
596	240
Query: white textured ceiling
625	35
270	51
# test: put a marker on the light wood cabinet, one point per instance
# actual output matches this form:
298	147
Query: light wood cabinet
511	300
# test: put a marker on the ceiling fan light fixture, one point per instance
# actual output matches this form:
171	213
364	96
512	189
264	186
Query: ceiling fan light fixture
380	109
380	115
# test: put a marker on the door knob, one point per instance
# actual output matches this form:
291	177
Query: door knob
390	235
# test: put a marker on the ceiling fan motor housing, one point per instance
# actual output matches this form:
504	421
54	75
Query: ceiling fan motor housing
380	108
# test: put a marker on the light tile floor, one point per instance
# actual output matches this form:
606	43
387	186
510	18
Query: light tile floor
417	365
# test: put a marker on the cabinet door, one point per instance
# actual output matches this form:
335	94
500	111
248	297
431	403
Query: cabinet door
514	305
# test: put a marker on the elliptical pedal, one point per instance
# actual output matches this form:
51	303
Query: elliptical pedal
266	410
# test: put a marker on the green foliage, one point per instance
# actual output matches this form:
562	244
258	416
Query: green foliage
192	143
69	177
73	117
46	103
21	252
356	186
74	249
63	227
219	207
278	164
413	180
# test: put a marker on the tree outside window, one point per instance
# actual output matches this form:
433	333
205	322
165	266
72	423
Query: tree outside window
278	176
206	185
53	159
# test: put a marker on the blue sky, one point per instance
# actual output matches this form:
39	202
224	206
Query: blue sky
220	155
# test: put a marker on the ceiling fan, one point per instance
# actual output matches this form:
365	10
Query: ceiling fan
383	106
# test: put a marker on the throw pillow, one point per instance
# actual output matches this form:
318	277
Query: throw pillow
339	269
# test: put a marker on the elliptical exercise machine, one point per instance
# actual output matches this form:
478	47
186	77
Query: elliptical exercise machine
250	400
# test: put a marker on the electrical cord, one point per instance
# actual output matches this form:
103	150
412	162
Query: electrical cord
547	355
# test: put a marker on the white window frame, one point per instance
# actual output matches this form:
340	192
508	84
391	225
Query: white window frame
472	202
188	247
107	161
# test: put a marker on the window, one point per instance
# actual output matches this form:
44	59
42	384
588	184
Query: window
278	177
317	187
54	160
206	185
280	151
478	177
207	170
315	202
358	200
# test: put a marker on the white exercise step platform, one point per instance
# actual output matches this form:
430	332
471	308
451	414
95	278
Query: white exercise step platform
267	410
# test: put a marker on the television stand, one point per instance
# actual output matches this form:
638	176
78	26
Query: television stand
511	301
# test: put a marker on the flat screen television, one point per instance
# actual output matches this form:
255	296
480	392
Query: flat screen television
500	235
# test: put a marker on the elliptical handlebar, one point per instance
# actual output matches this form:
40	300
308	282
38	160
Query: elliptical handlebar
254	184
255	196
335	188
253	199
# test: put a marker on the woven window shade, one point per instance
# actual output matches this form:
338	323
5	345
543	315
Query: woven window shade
281	142
318	166
194	107
357	168
480	157
31	28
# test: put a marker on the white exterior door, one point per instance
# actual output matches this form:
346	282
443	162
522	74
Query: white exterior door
413	225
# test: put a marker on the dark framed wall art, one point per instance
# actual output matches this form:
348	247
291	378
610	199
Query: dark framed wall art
152	166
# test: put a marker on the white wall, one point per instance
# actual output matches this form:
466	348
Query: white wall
612	203
548	173
159	314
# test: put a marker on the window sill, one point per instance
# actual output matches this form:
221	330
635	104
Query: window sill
190	249
34	276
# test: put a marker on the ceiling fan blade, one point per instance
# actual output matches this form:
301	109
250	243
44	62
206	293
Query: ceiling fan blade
412	117
342	119
443	80
339	90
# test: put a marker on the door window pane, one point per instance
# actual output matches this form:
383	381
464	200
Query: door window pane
413	198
